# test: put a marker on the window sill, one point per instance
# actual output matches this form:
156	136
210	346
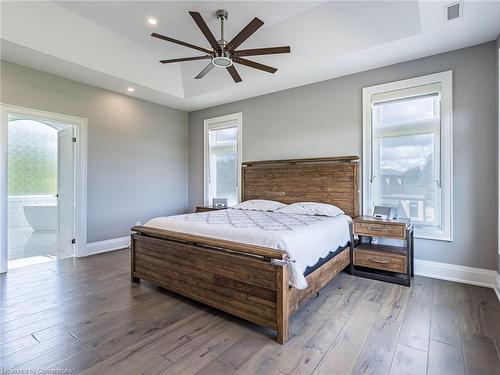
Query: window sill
434	236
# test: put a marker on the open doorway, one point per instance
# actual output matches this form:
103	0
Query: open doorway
42	194
40	181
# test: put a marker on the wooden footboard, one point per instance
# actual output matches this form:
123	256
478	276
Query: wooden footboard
236	278
247	281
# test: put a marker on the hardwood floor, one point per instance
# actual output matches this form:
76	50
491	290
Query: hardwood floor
84	316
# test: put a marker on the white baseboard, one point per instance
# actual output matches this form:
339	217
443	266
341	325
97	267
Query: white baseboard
107	245
461	274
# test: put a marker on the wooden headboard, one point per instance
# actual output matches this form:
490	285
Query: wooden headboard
331	180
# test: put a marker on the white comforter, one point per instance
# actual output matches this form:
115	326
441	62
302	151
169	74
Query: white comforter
305	238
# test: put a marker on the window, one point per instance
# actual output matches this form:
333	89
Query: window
407	152
32	158
223	158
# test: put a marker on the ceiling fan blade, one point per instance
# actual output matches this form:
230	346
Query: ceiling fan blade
198	19
255	65
163	37
244	34
261	51
234	73
202	74
185	59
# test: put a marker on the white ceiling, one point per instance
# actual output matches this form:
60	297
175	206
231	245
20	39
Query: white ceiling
107	43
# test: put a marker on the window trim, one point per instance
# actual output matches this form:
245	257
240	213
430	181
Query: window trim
446	139
215	123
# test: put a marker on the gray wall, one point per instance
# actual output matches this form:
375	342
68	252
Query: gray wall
137	151
325	119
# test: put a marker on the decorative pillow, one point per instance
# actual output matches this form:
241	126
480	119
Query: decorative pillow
311	208
259	205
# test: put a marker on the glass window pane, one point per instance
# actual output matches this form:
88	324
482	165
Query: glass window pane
226	176
401	111
407	176
226	135
32	150
223	159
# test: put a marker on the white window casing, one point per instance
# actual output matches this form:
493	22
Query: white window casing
439	87
228	121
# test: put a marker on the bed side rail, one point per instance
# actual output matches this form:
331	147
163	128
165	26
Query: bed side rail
237	247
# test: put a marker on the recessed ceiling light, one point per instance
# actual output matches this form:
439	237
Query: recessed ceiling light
130	89
152	21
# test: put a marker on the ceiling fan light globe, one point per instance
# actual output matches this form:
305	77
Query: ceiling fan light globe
222	61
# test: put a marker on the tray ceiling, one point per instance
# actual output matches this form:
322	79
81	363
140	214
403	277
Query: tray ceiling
107	43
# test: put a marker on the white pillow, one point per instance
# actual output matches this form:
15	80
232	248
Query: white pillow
259	205
311	208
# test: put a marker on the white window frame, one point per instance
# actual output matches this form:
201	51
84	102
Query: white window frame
444	79
219	123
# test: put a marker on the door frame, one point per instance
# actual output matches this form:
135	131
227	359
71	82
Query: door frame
80	125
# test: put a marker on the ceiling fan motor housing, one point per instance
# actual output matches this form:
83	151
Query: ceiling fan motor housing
222	59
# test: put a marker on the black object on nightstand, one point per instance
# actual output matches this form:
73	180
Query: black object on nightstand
389	263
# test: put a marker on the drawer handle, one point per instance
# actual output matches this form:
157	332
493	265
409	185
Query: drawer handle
382	261
377	229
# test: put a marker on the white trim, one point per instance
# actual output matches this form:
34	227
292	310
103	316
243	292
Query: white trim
3	192
107	245
80	125
498	128
446	168
457	273
497	286
212	123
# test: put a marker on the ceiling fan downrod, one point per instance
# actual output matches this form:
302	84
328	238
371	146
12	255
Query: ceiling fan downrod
222	58
222	16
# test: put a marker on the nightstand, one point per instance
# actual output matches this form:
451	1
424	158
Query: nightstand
383	262
208	208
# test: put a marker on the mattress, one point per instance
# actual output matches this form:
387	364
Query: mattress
305	238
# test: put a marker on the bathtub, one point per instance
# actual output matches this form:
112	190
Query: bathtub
41	216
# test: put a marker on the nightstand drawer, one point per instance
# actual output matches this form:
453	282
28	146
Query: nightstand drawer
380	260
382	230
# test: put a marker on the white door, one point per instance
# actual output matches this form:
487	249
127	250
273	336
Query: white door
65	192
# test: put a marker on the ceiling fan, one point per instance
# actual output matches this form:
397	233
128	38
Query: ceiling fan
224	54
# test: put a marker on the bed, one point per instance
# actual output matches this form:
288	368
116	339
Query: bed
247	263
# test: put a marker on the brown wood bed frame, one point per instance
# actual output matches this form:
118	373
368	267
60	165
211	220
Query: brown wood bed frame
250	281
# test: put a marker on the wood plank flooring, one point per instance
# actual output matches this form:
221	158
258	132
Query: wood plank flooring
84	316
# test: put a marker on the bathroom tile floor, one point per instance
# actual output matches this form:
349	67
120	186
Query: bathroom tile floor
27	246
